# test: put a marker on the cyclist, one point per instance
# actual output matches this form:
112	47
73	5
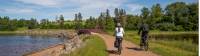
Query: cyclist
144	36
119	32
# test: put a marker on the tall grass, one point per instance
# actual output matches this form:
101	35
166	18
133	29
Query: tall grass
95	46
181	36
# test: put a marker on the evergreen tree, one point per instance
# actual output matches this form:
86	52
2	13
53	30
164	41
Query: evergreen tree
120	16
32	23
61	21
109	21
101	21
78	21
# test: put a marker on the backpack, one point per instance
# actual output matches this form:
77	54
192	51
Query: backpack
145	27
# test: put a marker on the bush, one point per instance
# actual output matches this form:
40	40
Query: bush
179	28
7	28
178	36
166	27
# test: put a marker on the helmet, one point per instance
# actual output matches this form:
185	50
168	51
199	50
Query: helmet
118	24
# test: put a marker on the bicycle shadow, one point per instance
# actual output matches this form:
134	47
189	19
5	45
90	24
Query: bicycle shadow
134	48
112	51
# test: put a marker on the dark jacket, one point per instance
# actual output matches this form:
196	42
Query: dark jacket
144	28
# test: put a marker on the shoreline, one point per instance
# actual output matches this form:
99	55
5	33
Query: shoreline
73	42
56	49
42	32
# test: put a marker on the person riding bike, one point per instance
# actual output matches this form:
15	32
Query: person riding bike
119	33
144	36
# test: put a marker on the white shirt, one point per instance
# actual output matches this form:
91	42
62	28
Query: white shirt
119	33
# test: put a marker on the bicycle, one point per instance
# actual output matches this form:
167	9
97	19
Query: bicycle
144	44
118	45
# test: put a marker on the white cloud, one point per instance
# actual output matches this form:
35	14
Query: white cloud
49	3
16	10
69	7
78	3
95	7
134	7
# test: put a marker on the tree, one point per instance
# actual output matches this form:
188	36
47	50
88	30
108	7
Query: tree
109	25
78	21
5	20
178	16
101	22
145	13
145	16
116	12
179	13
132	22
90	23
123	18
6	24
120	16
156	15
193	16
61	21
21	23
107	16
44	24
32	23
79	17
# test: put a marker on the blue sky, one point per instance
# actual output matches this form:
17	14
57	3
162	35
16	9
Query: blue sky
41	9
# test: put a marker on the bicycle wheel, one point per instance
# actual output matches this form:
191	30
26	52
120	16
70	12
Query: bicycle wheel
119	49
146	46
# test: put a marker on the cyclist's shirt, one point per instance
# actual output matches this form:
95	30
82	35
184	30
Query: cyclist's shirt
119	32
144	28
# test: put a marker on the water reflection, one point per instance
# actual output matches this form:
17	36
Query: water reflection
18	45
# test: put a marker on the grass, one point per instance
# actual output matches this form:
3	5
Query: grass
165	50
7	32
173	48
35	31
95	46
22	28
178	44
166	47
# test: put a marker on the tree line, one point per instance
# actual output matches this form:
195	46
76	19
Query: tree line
177	16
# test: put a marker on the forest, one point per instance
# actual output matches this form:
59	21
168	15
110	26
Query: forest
177	16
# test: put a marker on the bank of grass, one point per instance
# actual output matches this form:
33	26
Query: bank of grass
166	47
24	31
8	32
174	48
95	46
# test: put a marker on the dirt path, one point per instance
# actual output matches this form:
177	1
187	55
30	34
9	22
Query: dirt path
129	49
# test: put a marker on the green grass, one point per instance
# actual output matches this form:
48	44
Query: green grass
178	44
22	28
165	50
7	32
95	46
166	47
173	48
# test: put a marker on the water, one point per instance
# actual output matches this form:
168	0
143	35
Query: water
16	45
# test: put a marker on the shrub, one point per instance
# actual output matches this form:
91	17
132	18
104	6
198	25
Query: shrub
180	36
165	26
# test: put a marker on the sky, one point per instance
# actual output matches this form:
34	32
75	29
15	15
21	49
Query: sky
43	9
